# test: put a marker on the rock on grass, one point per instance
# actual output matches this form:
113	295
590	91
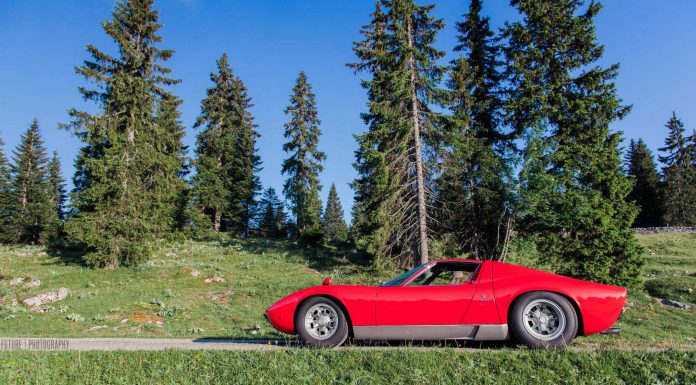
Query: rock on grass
52	296
214	279
676	304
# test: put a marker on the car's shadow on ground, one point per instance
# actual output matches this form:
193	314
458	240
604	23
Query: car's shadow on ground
294	343
484	345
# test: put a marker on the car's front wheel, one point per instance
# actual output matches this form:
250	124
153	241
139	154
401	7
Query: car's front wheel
320	323
543	320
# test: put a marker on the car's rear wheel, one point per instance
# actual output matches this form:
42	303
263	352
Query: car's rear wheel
320	323
543	320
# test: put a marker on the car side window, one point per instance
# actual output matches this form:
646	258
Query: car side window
446	273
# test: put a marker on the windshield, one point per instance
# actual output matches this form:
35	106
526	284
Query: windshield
403	277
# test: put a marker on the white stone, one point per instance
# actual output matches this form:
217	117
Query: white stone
52	296
214	279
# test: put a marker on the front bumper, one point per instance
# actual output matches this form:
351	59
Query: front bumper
281	318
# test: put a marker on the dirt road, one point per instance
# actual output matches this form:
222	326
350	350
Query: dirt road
106	344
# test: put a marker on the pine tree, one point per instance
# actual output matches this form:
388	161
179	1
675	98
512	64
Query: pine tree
281	218
30	186
57	196
247	164
6	198
227	164
692	148
395	156
305	162
473	186
370	228
679	172
214	145
575	199
119	181
272	216
356	221
645	193
268	213
170	168
56	186
335	227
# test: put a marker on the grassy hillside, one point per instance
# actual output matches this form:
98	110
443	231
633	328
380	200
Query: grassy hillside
169	296
671	267
345	366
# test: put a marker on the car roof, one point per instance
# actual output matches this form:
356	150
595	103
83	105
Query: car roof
458	260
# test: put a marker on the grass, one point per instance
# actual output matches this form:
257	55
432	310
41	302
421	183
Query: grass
671	269
669	258
168	296
301	366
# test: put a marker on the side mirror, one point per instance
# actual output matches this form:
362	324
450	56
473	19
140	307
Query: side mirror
327	281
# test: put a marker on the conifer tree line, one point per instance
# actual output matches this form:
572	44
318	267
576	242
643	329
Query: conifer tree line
665	197
32	192
507	137
512	137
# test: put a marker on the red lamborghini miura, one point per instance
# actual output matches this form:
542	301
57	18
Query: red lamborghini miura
452	299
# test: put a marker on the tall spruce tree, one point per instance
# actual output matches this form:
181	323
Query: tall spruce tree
679	172
120	187
247	164
56	187
304	164
57	196
281	219
226	182
640	165
692	148
370	228
335	227
29	168
272	217
579	214
7	206
395	156
170	168
473	188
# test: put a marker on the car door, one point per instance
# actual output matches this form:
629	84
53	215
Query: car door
436	303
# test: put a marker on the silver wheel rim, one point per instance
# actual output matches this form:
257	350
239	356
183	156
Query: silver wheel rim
321	321
544	319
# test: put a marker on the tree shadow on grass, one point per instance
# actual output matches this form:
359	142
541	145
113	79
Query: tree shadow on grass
67	255
332	256
325	257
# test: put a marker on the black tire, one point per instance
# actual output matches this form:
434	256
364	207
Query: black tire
309	337
560	328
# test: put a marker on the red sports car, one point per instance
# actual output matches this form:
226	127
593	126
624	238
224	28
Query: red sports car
452	299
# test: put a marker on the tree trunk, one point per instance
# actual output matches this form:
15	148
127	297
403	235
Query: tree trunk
216	219
420	184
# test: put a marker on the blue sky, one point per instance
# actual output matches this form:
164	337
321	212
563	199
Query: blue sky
270	41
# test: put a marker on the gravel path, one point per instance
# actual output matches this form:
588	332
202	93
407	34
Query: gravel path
107	344
84	344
